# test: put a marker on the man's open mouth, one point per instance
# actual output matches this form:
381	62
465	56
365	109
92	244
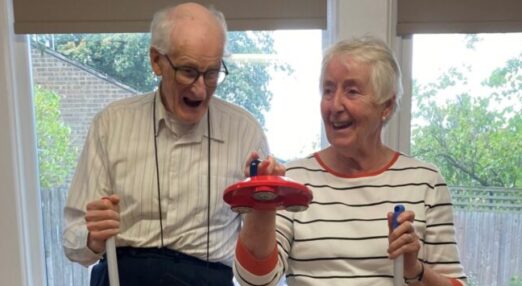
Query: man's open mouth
192	103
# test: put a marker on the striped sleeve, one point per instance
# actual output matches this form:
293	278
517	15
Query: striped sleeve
440	250
251	271
90	181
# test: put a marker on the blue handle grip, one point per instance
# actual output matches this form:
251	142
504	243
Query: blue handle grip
397	210
253	167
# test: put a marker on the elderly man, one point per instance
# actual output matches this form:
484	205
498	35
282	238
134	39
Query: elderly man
154	167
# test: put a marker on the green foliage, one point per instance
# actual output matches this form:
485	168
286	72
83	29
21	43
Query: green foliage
471	40
56	157
508	80
247	84
475	141
515	281
125	57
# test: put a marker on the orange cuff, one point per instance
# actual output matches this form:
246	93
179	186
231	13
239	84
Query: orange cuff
455	282
255	265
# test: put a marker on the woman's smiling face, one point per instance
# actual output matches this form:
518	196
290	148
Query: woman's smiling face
351	115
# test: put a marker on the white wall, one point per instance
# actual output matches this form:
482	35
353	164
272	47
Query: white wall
21	242
20	217
11	268
364	17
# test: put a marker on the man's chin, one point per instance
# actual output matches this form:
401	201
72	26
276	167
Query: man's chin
192	117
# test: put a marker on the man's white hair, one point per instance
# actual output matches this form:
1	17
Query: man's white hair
163	23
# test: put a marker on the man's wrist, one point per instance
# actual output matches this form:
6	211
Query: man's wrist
94	245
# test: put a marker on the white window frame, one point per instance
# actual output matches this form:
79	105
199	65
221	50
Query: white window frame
20	211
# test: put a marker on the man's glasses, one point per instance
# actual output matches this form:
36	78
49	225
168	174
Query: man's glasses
188	75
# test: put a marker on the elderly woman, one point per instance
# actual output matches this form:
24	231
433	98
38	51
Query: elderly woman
345	236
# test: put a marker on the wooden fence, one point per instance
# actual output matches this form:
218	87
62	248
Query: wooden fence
490	199
489	235
490	246
60	271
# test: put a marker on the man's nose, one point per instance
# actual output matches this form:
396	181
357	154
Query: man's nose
199	87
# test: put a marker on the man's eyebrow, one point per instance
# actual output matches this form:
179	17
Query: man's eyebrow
193	65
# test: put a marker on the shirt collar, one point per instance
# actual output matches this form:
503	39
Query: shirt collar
159	112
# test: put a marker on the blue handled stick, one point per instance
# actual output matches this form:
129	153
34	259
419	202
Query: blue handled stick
253	167
398	263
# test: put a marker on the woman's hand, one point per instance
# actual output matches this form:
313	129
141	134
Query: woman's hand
268	167
404	241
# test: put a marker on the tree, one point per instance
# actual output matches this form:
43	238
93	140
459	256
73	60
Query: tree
475	141
247	83
125	58
56	156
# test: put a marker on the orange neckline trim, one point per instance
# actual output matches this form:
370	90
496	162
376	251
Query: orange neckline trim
364	174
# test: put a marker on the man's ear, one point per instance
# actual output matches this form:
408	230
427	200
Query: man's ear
155	58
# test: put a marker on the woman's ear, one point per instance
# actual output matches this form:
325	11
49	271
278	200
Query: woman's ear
155	58
389	106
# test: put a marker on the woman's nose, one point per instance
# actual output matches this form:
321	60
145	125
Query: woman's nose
337	101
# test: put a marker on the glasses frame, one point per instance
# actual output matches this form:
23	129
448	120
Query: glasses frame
199	73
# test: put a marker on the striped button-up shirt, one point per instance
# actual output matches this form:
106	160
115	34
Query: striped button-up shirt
119	158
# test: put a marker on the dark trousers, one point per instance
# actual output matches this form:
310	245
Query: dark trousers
161	266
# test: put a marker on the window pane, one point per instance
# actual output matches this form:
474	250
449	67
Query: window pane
467	120
273	74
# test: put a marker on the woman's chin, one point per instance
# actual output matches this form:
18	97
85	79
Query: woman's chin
342	144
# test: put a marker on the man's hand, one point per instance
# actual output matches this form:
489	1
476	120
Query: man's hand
103	221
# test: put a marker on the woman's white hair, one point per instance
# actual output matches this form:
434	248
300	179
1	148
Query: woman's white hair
163	23
385	74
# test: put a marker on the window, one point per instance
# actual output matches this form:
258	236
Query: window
273	74
467	120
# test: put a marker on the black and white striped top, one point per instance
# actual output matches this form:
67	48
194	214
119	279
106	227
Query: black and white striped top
342	238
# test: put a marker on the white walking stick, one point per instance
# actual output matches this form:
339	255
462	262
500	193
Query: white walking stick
112	259
112	262
398	263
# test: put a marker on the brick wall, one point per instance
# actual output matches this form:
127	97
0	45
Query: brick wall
83	91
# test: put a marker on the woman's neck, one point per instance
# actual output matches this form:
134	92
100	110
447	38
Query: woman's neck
356	162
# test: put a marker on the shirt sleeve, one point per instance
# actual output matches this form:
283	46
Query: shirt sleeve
248	270
90	182
440	251
251	271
